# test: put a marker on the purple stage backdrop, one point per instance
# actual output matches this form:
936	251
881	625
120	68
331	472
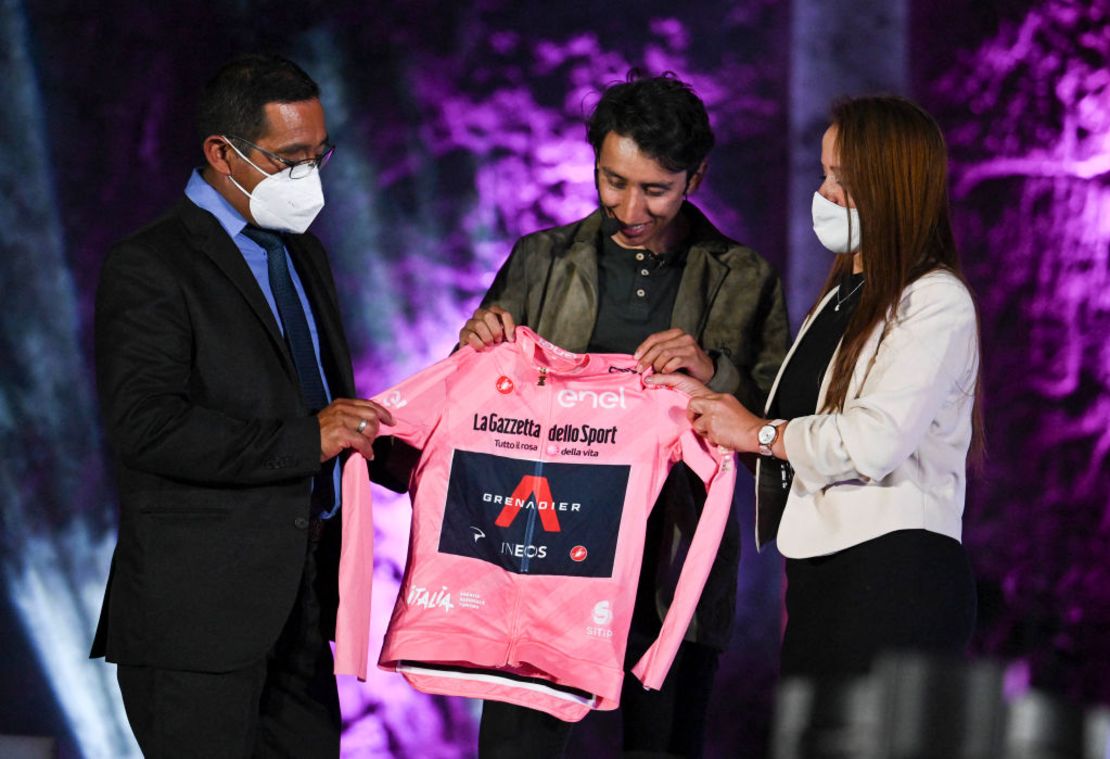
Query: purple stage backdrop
1025	101
459	127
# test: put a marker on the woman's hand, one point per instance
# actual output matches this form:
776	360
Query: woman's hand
718	417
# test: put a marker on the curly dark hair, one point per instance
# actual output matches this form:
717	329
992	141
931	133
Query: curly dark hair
662	114
234	100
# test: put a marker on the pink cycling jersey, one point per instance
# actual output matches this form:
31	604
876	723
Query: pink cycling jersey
538	470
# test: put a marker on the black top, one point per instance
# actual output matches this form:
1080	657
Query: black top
636	295
801	380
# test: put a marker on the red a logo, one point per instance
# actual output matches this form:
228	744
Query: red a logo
537	489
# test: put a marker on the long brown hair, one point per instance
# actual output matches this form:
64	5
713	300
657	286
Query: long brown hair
894	167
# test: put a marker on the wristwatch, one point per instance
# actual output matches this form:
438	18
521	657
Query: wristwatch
767	436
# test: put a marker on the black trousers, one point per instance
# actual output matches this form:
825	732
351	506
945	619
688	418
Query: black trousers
907	590
284	705
669	722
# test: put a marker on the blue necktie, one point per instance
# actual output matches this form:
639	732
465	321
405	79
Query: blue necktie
299	340
297	334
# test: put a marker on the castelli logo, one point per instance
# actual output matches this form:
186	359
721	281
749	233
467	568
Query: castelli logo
578	553
394	400
504	385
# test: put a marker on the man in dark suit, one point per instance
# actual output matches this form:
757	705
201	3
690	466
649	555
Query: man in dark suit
227	392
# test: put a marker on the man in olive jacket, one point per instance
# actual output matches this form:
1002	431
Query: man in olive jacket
647	274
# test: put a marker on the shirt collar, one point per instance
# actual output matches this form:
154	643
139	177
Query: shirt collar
205	196
674	257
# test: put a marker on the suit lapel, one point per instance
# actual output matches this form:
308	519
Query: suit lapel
770	496
790	353
210	239
701	278
571	311
335	355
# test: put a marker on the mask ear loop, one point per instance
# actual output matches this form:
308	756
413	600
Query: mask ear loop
240	154
852	231
609	224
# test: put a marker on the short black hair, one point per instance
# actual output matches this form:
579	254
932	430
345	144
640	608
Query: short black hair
234	101
662	114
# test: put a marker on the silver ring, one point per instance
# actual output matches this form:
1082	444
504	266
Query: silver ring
361	426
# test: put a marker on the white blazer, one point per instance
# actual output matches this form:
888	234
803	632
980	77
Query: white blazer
896	457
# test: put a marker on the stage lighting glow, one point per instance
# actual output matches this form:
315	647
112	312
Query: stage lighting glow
56	607
54	552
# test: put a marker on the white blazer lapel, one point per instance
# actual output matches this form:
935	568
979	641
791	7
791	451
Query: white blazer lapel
797	340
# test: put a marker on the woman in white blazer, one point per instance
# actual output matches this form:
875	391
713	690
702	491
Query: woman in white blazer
866	434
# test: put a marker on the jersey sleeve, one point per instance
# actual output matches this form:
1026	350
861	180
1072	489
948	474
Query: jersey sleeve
417	405
356	571
717	469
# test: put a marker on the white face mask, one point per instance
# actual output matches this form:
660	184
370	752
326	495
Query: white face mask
837	227
282	203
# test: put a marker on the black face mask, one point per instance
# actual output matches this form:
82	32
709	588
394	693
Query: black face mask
609	224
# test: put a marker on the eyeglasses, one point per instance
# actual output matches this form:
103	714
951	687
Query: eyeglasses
297	169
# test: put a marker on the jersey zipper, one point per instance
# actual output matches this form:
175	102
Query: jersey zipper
533	514
514	628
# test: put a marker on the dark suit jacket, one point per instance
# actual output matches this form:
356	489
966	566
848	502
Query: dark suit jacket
213	447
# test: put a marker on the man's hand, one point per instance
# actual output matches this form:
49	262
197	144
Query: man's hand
350	423
488	326
673	350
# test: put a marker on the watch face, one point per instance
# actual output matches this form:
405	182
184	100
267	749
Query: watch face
766	434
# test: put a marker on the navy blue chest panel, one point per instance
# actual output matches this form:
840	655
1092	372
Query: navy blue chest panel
534	517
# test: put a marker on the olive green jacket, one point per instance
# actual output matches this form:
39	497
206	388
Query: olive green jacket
729	299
